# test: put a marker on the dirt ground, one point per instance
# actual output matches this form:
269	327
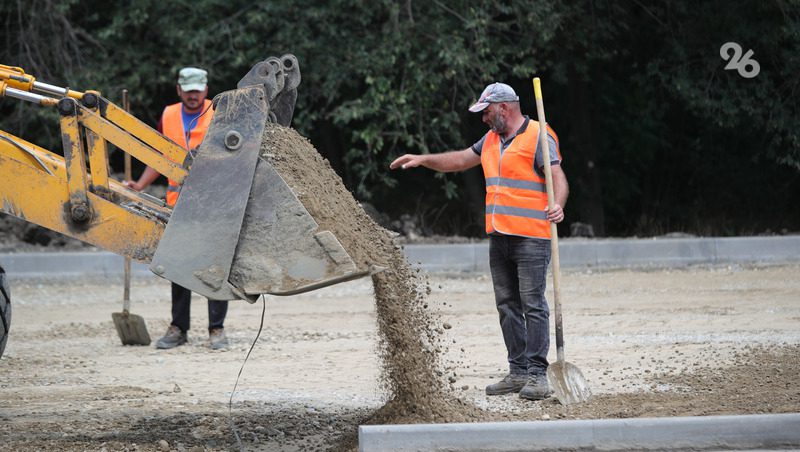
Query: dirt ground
696	341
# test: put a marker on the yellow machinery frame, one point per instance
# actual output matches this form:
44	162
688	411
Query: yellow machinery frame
286	252
73	194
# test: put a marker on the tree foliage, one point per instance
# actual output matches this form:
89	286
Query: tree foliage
657	136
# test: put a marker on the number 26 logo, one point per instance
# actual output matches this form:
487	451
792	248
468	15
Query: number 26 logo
739	62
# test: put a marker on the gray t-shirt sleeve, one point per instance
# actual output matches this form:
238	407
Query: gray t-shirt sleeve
478	146
554	160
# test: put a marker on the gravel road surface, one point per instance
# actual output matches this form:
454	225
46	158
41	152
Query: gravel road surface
696	341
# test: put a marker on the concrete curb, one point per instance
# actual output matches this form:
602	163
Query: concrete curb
68	264
605	253
675	433
474	257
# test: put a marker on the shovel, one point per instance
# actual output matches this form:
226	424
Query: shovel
130	328
566	379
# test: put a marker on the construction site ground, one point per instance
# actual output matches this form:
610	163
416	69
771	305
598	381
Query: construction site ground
699	340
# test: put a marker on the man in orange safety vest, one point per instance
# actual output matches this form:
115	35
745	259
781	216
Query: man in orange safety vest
518	224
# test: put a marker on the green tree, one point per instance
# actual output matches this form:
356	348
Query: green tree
657	136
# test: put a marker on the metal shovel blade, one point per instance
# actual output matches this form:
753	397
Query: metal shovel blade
568	383
130	328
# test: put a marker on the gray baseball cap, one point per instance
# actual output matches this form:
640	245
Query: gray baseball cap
192	79
494	93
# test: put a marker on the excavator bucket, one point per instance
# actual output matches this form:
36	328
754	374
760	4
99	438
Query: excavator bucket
238	230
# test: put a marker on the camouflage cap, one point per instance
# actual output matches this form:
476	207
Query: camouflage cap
192	79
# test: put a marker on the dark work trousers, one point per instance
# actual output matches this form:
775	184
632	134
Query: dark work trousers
181	304
519	275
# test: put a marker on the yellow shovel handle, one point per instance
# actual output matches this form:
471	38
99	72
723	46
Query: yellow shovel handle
554	258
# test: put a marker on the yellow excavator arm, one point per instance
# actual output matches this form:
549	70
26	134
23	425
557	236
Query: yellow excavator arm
73	194
14	82
227	237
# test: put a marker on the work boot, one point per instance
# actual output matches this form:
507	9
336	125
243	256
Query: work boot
510	383
172	338
536	388
217	339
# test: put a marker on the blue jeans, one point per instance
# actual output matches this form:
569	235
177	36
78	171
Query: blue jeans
181	304
519	274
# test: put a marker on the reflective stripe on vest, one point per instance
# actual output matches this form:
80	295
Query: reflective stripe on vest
516	197
513	183
172	126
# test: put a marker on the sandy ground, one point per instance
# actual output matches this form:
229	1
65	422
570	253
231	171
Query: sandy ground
697	341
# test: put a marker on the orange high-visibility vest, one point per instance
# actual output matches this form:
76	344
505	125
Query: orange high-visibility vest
172	128
516	196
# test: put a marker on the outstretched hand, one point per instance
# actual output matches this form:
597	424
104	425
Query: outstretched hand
406	161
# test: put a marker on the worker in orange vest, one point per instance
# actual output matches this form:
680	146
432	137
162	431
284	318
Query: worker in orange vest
518	224
186	123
